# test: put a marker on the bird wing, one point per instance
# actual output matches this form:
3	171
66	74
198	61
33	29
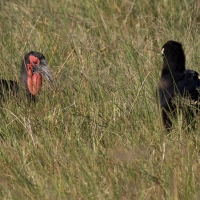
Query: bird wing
179	84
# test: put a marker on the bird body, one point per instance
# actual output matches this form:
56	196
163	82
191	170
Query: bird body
176	84
8	87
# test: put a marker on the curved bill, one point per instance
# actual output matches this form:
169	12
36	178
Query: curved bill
43	69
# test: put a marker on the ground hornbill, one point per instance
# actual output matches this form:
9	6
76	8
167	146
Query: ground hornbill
178	88
34	68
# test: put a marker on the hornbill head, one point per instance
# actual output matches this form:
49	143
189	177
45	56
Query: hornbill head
173	57
34	68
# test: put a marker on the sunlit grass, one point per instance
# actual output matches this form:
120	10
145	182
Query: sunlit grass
98	134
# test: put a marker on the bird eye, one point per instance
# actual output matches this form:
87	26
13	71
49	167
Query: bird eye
33	70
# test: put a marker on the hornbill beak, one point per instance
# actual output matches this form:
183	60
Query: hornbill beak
43	69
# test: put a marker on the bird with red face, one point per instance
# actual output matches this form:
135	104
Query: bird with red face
34	68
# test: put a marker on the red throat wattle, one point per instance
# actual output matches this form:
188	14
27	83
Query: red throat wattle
34	81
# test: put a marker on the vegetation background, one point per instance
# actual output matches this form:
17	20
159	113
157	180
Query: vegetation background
98	135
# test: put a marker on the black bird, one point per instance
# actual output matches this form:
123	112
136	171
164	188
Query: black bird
177	87
34	68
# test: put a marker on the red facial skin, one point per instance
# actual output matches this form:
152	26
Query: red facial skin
34	81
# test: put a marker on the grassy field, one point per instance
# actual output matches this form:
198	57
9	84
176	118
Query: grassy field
98	135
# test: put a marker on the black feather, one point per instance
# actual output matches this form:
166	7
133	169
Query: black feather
176	83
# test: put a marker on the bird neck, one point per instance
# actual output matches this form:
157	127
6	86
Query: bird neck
171	66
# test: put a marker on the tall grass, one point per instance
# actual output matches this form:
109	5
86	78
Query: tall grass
98	135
